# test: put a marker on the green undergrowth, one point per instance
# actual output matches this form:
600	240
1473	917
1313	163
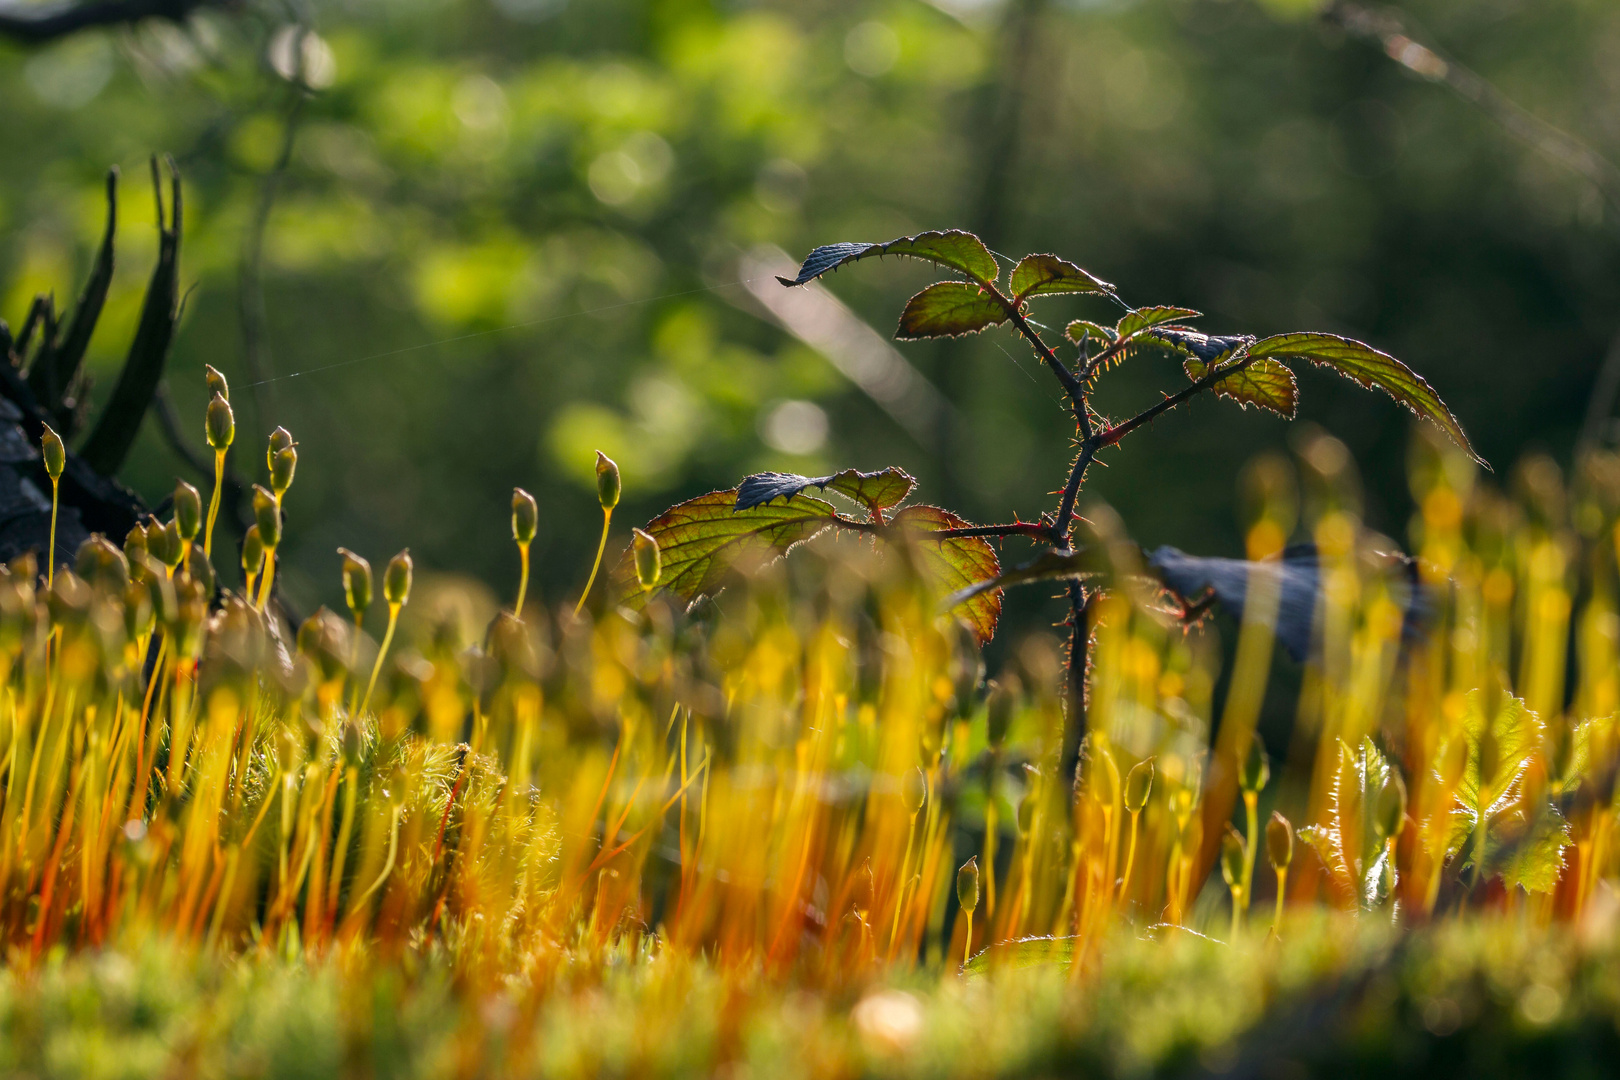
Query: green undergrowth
1487	996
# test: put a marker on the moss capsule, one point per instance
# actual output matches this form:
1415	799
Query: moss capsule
649	561
607	481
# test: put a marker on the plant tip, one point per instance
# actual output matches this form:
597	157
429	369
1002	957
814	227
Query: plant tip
220	424
607	481
525	516
54	453
649	561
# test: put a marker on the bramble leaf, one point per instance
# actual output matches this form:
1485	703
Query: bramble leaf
1045	275
1536	861
953	248
1079	328
955	563
1498	756
1355	840
1142	318
877	491
1265	383
1022	953
1210	348
701	539
1371	368
949	309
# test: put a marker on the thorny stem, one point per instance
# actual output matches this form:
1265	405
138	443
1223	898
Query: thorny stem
1125	427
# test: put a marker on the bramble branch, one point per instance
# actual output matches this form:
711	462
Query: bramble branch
1124	428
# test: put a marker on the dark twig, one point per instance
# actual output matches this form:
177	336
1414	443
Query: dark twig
1036	529
1389	29
1125	427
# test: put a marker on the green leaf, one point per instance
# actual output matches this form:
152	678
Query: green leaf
1023	953
1142	318
1265	383
701	539
1371	368
877	491
949	309
1044	275
1079	328
1515	734
952	564
1535	861
953	248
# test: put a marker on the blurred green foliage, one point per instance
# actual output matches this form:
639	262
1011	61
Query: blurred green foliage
508	233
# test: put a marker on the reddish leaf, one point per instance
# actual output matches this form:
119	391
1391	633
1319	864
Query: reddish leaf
956	563
701	539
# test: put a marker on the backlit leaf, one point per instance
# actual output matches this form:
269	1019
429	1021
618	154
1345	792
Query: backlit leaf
1516	733
948	309
1349	840
701	539
1142	318
1265	383
875	490
1044	275
952	564
1080	328
953	248
1535	861
1371	368
1022	953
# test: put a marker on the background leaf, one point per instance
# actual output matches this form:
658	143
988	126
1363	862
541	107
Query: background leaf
701	539
949	309
877	491
1022	953
1371	368
1265	383
953	248
1536	861
953	564
1042	275
1518	732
